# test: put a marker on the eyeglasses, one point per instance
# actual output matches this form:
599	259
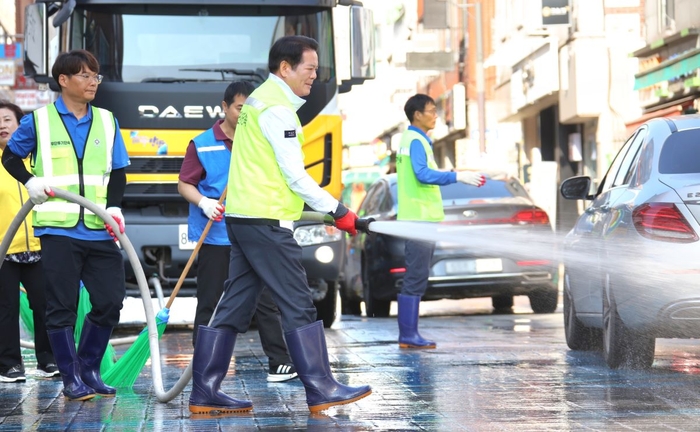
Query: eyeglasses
96	78
432	111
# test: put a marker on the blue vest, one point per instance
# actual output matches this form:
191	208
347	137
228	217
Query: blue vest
215	157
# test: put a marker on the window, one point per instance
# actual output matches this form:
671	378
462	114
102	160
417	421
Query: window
607	182
628	163
681	153
187	44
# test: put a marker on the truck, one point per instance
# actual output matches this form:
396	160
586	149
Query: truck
165	65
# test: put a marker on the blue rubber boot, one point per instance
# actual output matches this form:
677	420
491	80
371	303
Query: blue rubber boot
212	355
408	324
307	348
63	346
91	349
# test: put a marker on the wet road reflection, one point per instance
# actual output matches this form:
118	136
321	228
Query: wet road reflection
489	372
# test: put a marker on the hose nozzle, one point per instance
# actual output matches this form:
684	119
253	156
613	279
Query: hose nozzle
362	224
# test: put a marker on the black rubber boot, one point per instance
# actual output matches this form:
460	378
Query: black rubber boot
307	347
212	355
63	346
408	323
91	349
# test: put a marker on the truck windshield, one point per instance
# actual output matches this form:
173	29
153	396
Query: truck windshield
197	47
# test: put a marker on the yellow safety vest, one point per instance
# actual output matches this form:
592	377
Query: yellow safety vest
256	186
13	195
416	201
58	163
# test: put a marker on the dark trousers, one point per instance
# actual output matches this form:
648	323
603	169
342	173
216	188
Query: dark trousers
32	278
419	256
99	264
212	272
264	255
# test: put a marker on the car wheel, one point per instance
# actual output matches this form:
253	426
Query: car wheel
578	336
621	346
349	306
502	303
373	307
325	309
544	300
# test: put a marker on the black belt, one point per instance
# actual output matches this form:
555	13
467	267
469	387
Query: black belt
252	221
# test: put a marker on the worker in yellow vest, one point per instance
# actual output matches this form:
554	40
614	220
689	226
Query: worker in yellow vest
419	199
21	265
267	188
78	147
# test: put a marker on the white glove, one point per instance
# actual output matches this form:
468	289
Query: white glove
211	208
117	215
471	178
38	190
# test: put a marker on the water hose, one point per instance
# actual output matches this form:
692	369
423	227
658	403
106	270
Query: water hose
156	375
153	340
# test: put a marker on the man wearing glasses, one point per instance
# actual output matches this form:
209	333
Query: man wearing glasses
419	199
78	147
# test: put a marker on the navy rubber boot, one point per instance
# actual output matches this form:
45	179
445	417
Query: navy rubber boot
63	346
212	355
408	324
91	349
307	347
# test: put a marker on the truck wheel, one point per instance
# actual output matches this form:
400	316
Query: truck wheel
325	309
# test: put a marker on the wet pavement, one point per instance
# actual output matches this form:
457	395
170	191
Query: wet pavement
489	373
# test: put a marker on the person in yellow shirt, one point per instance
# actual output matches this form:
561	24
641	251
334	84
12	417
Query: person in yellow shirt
21	265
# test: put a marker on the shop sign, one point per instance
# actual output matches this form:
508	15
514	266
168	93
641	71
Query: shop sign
7	72
555	12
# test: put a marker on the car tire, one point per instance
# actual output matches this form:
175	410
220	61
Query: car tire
349	306
502	303
326	308
373	307
578	336
622	347
544	301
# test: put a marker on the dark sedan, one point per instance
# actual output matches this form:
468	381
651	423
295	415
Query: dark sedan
376	261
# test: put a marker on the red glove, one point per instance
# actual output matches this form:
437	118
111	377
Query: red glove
116	214
347	223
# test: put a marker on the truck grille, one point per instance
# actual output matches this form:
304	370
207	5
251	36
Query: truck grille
158	164
152	192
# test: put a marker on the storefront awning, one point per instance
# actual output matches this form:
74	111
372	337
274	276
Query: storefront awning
669	70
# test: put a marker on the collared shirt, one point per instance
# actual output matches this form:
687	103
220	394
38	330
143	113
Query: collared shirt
273	122
419	162
192	171
24	142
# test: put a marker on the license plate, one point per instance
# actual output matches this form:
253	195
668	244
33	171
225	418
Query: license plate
463	266
467	266
183	243
490	265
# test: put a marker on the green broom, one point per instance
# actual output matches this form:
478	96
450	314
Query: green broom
128	368
25	312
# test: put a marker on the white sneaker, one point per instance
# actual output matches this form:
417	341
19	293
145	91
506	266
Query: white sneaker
48	370
282	373
14	374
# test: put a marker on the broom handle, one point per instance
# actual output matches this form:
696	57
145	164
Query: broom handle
193	256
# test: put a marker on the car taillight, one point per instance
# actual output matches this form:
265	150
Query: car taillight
534	216
664	222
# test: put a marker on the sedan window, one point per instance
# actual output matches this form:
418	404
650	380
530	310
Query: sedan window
491	189
681	153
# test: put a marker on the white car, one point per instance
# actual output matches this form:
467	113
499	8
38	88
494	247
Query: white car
633	257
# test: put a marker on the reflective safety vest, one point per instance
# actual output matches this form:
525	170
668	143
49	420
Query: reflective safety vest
214	157
416	201
58	163
256	187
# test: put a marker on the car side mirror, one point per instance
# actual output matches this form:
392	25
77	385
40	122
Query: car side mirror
576	188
